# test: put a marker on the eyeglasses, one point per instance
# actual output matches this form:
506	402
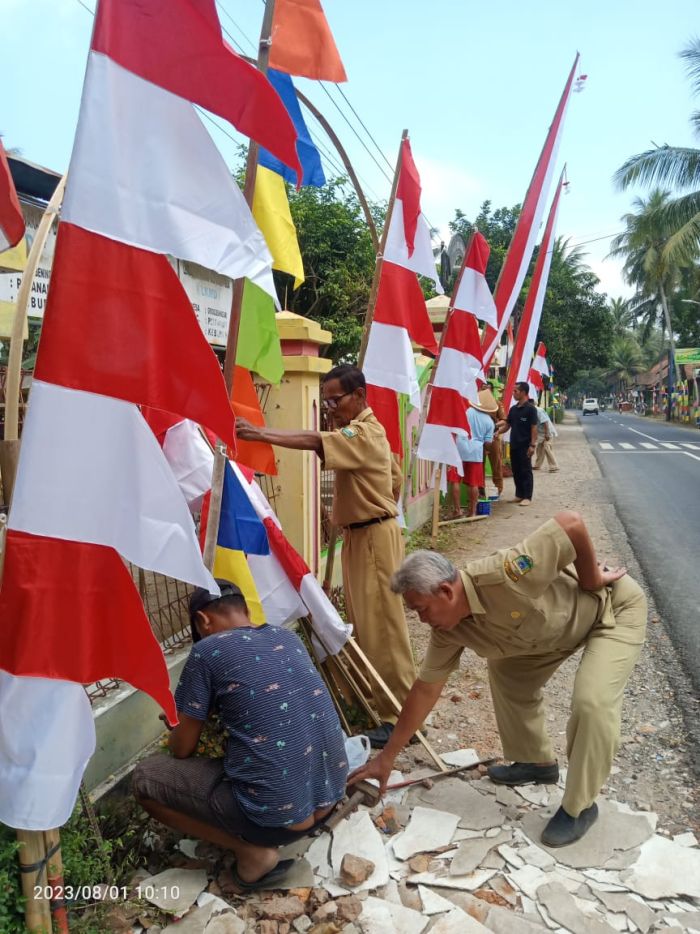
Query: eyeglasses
332	403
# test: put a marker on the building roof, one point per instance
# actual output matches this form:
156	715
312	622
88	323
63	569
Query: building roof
31	180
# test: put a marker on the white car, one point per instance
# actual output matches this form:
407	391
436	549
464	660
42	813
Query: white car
590	407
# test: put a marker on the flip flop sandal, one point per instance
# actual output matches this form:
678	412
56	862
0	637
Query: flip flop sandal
274	875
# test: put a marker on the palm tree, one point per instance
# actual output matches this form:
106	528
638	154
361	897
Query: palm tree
626	360
570	258
676	167
624	318
647	263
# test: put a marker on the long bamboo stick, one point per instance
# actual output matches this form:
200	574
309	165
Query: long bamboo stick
369	316
217	482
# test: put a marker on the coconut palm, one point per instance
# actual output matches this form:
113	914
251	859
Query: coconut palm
677	168
626	361
647	263
570	258
624	318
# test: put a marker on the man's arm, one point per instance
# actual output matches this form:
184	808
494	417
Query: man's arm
184	737
296	440
591	575
420	701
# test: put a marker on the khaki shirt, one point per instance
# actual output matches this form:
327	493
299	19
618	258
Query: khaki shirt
524	601
367	478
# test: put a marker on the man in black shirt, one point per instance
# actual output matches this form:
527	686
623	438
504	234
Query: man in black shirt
522	421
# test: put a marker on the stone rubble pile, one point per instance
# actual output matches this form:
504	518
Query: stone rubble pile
461	856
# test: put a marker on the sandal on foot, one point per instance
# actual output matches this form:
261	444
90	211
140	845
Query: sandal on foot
274	875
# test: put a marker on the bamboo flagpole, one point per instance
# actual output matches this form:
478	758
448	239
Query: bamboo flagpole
217	482
369	316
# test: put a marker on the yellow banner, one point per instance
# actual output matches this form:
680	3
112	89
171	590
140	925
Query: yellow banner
14	260
7	314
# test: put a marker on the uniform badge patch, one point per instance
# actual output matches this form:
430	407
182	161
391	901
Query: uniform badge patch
518	567
348	432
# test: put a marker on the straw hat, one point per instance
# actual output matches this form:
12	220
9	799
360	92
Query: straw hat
486	402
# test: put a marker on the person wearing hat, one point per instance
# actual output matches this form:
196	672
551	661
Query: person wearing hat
366	489
471	450
493	450
284	766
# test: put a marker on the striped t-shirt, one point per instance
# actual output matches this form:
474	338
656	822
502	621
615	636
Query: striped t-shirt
285	754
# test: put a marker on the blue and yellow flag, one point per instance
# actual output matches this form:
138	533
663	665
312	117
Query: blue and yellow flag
306	150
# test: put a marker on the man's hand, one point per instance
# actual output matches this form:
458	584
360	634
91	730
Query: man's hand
380	768
247	431
610	575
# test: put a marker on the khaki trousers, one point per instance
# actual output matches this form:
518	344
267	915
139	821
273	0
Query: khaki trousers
544	449
495	456
593	731
369	558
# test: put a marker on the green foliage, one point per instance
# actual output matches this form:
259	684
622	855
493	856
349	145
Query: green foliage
339	260
11	900
31	345
497	226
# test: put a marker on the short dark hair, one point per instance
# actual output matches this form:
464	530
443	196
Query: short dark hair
350	377
231	596
523	386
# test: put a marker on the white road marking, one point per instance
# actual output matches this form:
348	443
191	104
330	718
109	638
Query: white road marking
606	446
694	456
670	445
648	444
693	445
626	446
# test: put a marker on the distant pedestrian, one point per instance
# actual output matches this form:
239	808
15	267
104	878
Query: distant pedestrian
522	422
545	433
492	449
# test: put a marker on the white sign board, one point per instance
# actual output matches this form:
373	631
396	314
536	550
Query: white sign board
210	295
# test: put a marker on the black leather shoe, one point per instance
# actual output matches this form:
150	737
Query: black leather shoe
563	829
522	773
379	737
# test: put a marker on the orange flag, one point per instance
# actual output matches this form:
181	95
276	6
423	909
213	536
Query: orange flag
257	455
302	42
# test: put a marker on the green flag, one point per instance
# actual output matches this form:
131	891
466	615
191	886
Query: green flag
258	341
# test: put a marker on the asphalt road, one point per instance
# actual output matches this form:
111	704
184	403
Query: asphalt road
653	469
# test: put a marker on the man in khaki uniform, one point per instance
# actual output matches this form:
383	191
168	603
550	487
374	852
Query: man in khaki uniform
367	487
526	609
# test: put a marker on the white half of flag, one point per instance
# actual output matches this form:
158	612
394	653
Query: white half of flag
437	444
91	470
422	260
458	370
474	296
47	736
145	172
389	360
191	461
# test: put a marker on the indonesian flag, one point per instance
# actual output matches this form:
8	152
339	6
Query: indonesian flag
400	315
538	369
11	218
520	251
93	486
459	364
519	366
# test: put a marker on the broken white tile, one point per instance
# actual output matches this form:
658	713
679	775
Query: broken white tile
318	856
544	914
468	883
433	904
397	867
616	922
462	834
630	906
457	922
174	890
398	795
335	890
476	811
358	835
460	757
493	861
188	847
508	797
390	893
510	856
534	794
650	816
471	853
503	921
427	830
665	869
194	922
607	879
218	904
381	917
226	923
502	887
535	856
561	908
494	832
622	859
685	839
528	879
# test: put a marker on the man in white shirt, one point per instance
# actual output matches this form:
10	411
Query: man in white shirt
471	450
545	432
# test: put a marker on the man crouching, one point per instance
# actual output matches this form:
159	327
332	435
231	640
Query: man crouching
284	766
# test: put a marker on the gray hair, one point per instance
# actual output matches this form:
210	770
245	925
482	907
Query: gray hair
423	571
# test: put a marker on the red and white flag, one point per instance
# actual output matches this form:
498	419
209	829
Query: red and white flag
400	316
93	485
459	364
519	254
519	366
11	217
539	368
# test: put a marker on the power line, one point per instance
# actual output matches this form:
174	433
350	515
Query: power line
86	7
378	147
239	28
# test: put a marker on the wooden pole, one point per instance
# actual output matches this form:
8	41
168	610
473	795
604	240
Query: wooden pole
32	860
333	531
54	879
436	506
429	388
14	363
217	482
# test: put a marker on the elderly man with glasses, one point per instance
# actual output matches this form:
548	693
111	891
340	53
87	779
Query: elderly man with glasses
367	488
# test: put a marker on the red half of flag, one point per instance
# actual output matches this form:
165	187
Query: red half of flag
11	218
119	323
400	302
385	405
448	408
256	455
409	192
77	616
177	45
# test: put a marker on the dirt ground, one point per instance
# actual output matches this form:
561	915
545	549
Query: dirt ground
654	769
